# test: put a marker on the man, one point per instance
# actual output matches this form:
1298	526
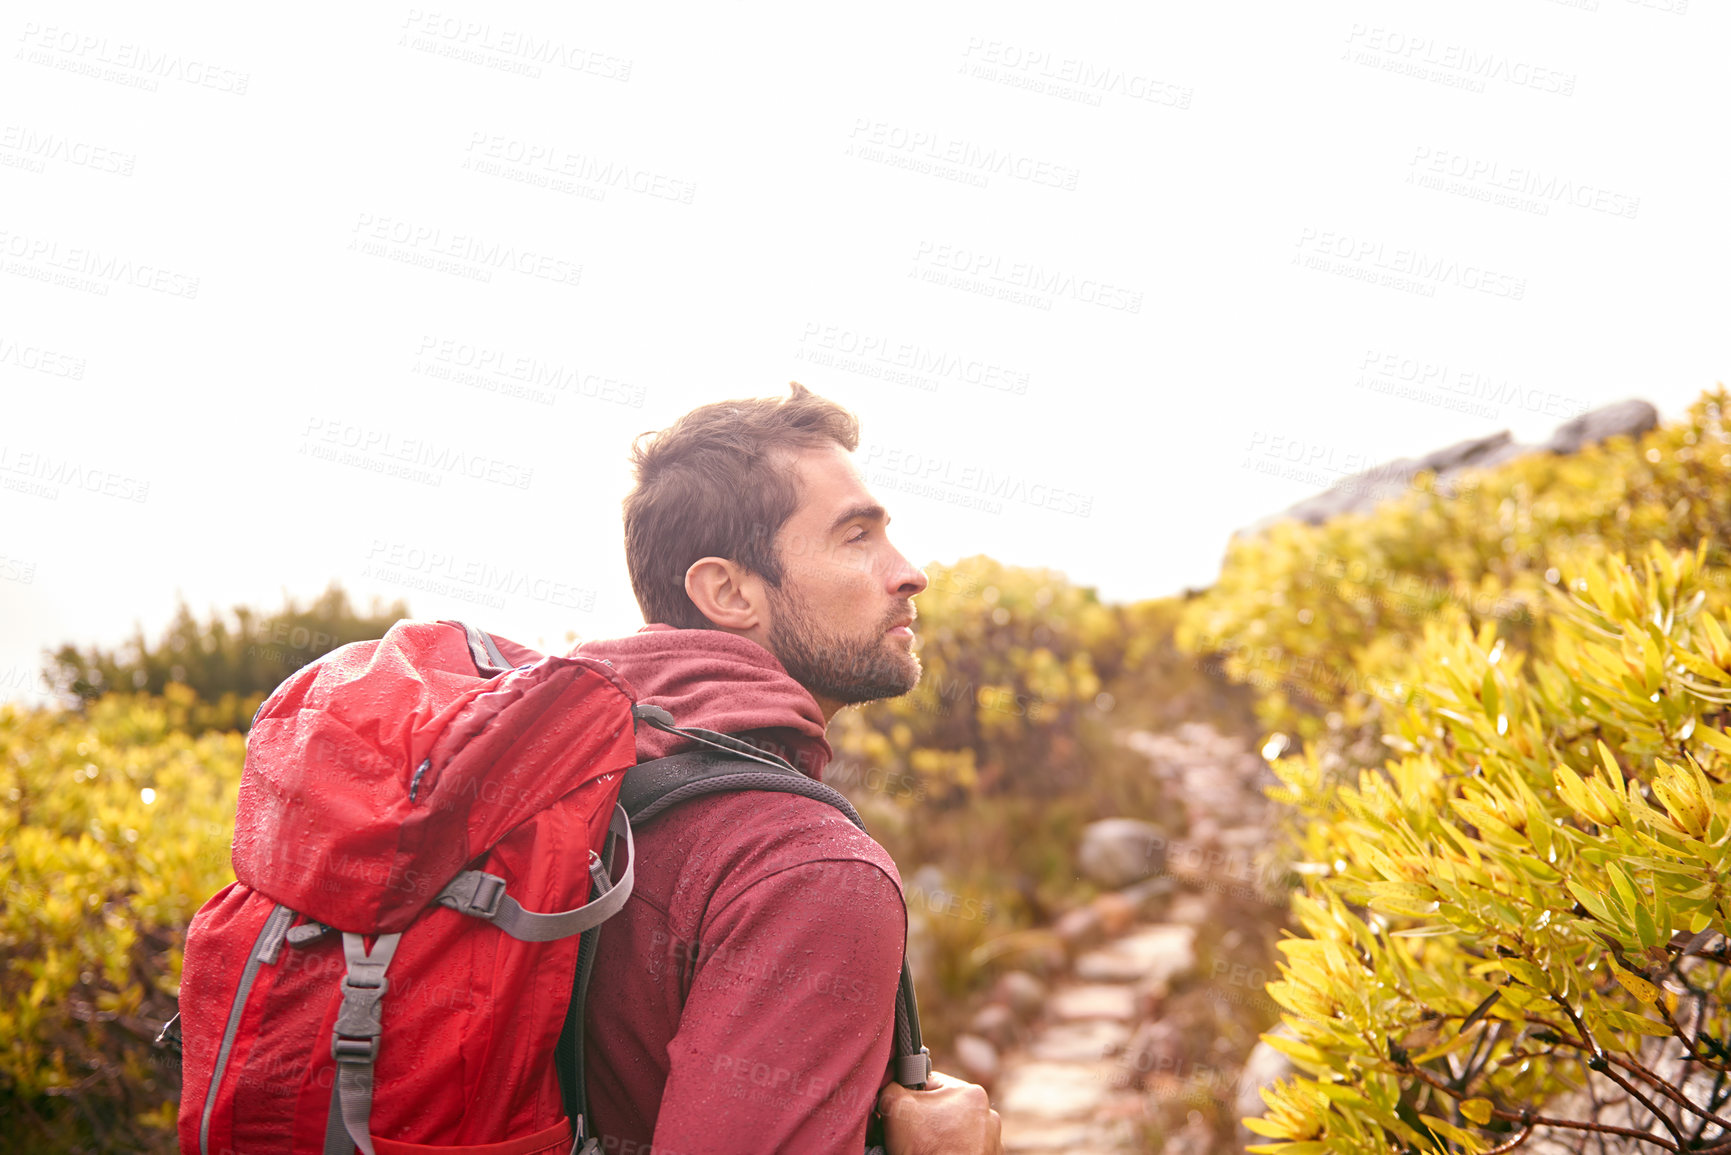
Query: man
742	1000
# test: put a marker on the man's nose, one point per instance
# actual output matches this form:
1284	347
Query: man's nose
906	578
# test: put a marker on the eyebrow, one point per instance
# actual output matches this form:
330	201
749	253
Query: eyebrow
871	512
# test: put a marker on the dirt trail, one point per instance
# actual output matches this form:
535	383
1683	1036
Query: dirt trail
1138	1046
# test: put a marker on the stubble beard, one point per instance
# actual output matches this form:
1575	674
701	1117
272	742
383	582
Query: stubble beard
830	665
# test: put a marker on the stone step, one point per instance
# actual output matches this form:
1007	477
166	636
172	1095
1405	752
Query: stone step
1094	1001
1086	1041
1038	1090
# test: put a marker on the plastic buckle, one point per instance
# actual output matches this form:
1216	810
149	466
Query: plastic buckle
345	1050
358	1016
306	932
489	893
914	1070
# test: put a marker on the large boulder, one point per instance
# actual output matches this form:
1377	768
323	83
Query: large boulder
1265	1067
1116	852
1362	492
1625	418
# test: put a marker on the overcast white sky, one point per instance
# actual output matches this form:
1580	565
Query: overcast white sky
381	293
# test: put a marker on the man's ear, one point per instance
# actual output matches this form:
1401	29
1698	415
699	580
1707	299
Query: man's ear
725	593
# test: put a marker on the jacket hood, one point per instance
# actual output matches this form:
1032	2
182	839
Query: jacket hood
719	681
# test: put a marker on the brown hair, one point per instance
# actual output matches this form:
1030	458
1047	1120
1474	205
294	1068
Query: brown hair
718	483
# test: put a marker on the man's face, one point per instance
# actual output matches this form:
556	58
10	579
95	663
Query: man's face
841	621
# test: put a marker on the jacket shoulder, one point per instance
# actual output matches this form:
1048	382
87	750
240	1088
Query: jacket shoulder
726	843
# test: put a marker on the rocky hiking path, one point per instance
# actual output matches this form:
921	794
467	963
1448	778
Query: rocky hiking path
1067	1089
1144	1037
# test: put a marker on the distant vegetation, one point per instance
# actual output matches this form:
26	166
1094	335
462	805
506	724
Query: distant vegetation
228	661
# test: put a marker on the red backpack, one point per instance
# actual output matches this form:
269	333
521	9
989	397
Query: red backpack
397	795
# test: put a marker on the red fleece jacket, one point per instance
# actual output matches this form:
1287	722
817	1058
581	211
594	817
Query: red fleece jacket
742	1000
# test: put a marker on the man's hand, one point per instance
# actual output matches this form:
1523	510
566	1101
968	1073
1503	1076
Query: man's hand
949	1117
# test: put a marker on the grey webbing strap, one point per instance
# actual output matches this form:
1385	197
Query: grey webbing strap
355	1040
337	1141
482	895
482	648
653	787
913	1062
264	950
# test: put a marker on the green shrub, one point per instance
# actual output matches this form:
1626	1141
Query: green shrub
114	829
1308	613
1531	890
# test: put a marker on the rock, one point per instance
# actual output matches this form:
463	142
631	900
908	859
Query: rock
1117	913
1192	909
977	1060
1109	965
1156	1048
1042	1138
1263	1067
1080	928
1628	418
1081	1042
1118	851
1194	1138
1151	996
1044	958
995	1023
1362	492
1166	951
1095	1001
1022	992
1149	895
1052	1091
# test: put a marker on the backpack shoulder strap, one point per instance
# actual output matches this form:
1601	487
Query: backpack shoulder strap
724	765
727	764
651	788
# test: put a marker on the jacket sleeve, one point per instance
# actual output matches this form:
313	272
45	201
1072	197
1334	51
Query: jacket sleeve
786	1031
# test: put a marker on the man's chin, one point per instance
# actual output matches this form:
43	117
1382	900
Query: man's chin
894	682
